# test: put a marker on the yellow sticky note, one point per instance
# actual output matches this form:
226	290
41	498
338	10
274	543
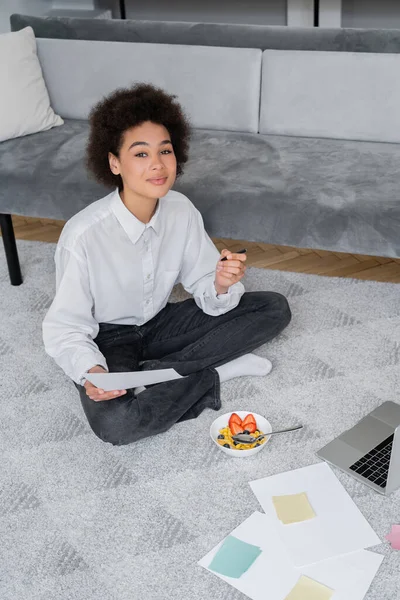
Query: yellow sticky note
308	589
293	508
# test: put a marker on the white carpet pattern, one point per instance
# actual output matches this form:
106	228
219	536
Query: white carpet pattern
83	520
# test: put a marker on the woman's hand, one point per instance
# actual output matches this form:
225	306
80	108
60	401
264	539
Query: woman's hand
229	271
97	394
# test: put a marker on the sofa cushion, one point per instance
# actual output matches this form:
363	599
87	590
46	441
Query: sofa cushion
352	96
212	34
24	101
218	87
303	192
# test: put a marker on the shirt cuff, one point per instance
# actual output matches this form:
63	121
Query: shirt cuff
236	288
231	297
85	362
221	297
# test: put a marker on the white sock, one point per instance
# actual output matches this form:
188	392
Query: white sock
249	364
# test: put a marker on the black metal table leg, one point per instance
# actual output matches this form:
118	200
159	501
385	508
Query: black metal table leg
10	247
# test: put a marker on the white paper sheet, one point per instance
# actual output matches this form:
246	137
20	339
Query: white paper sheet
124	381
273	576
338	528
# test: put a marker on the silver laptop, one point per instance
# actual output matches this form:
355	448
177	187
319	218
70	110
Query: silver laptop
370	451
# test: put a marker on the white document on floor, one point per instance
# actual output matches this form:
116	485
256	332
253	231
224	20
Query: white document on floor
273	576
338	527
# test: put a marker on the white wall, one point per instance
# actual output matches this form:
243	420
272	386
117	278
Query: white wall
260	12
330	13
300	13
383	14
41	7
29	7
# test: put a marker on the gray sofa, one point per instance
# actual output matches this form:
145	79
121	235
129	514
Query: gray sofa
296	133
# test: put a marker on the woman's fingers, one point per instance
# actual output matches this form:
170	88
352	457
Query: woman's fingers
226	253
108	395
232	263
98	394
232	256
232	270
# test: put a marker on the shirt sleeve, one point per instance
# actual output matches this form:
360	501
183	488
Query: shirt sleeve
197	273
69	327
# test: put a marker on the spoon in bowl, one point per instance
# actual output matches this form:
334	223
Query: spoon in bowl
245	438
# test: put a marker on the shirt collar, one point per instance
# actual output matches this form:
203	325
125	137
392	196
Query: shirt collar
131	224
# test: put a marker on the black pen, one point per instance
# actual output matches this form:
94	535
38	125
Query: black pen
242	251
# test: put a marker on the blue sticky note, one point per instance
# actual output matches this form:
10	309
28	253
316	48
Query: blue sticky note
234	557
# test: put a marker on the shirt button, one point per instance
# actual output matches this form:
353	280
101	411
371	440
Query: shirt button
148	276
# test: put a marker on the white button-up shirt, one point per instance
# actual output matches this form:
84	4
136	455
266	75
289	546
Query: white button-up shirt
113	268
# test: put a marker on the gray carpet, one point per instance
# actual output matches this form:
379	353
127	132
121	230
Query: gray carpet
83	520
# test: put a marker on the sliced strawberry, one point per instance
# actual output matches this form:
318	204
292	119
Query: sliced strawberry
248	419
250	427
235	428
234	418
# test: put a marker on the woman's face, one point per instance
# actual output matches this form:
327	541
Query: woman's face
146	161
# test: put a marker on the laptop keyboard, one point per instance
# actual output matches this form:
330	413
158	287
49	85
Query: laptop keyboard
374	466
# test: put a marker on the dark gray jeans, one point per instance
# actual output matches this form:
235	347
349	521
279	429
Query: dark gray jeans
182	337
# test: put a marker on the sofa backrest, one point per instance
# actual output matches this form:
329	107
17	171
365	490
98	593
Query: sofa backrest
212	34
354	96
219	88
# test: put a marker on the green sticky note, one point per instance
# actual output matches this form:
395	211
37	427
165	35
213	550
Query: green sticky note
234	557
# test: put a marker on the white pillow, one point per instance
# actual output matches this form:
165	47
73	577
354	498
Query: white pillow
24	100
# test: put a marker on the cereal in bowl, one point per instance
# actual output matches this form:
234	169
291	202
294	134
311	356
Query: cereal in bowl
237	425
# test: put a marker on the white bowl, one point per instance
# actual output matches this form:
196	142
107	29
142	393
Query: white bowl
222	421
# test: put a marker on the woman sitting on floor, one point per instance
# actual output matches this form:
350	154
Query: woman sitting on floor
116	264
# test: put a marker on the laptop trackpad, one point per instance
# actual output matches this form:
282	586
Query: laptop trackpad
367	434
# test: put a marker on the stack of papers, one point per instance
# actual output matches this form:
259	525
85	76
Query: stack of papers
310	543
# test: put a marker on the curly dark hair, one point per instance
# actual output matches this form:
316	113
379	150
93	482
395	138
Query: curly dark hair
126	108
